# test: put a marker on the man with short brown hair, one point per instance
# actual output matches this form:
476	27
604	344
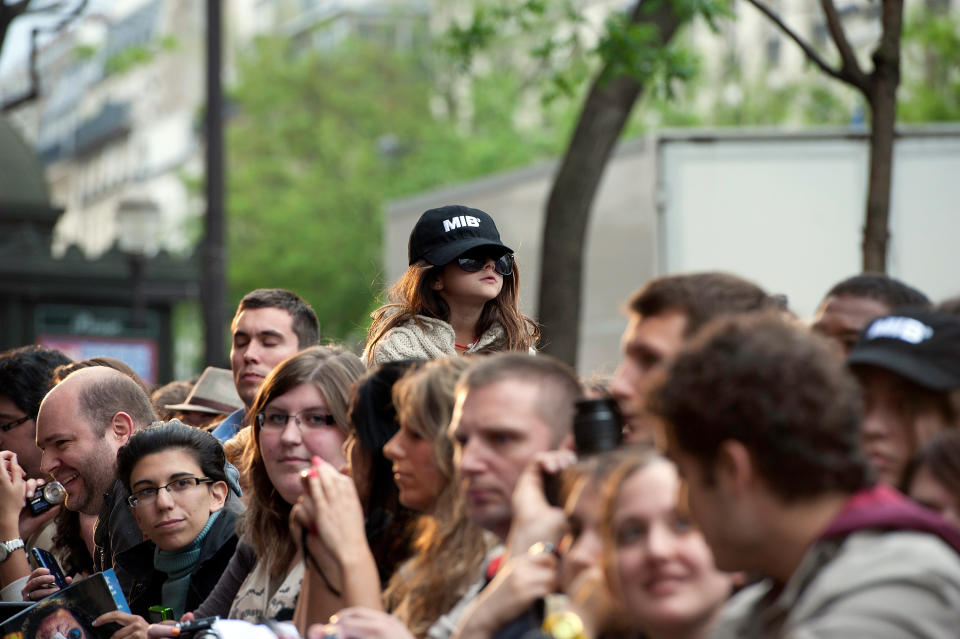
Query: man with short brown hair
662	316
270	325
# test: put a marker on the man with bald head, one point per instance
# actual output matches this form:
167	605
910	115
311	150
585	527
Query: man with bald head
82	423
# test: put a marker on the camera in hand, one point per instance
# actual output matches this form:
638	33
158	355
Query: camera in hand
46	497
199	628
40	558
597	426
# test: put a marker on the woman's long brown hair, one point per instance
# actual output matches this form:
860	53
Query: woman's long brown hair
266	520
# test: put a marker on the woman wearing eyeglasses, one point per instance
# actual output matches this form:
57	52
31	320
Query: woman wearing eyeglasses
299	413
179	498
459	294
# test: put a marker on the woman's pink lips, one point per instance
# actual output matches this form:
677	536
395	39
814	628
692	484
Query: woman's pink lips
663	584
169	523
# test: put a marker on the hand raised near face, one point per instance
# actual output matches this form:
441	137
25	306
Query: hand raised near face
534	518
13	489
332	510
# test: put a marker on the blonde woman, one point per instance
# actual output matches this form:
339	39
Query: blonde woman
419	593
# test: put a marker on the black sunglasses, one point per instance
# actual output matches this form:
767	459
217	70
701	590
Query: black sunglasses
475	261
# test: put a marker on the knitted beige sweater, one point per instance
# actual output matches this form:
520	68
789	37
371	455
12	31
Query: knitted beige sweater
427	338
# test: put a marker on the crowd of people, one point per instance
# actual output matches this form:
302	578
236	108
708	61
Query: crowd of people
766	476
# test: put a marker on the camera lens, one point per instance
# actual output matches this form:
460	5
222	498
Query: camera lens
597	426
54	492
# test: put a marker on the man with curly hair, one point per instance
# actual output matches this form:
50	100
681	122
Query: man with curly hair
763	424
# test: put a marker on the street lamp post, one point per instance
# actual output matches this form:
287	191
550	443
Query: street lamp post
137	225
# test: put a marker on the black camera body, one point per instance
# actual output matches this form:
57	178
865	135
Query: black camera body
597	426
199	628
47	496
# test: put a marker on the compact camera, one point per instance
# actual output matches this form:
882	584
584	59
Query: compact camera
199	628
46	497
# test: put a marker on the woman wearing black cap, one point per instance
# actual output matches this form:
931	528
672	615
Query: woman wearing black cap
459	295
909	367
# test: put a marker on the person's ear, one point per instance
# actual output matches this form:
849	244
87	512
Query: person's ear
734	467
437	285
136	516
218	495
122	427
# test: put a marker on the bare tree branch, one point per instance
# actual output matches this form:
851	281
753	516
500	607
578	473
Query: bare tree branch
812	55
849	65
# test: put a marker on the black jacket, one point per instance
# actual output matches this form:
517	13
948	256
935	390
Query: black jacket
117	531
147	582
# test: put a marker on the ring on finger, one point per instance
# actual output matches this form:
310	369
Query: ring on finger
541	547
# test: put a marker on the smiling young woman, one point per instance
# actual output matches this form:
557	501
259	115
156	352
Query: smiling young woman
658	565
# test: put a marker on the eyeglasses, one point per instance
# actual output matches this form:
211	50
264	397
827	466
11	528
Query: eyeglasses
474	261
148	495
5	427
312	420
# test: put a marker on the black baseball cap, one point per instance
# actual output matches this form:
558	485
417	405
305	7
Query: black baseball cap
920	345
443	234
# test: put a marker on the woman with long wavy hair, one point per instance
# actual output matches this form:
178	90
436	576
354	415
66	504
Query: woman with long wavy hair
419	593
299	415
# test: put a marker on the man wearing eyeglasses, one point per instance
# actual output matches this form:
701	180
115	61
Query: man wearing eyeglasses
25	377
271	324
81	424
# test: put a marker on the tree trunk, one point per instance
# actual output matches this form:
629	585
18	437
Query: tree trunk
882	97
601	121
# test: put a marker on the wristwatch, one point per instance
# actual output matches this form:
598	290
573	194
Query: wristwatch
7	547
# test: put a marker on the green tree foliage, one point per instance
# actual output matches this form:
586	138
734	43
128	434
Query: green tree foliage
931	45
567	49
321	140
930	91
